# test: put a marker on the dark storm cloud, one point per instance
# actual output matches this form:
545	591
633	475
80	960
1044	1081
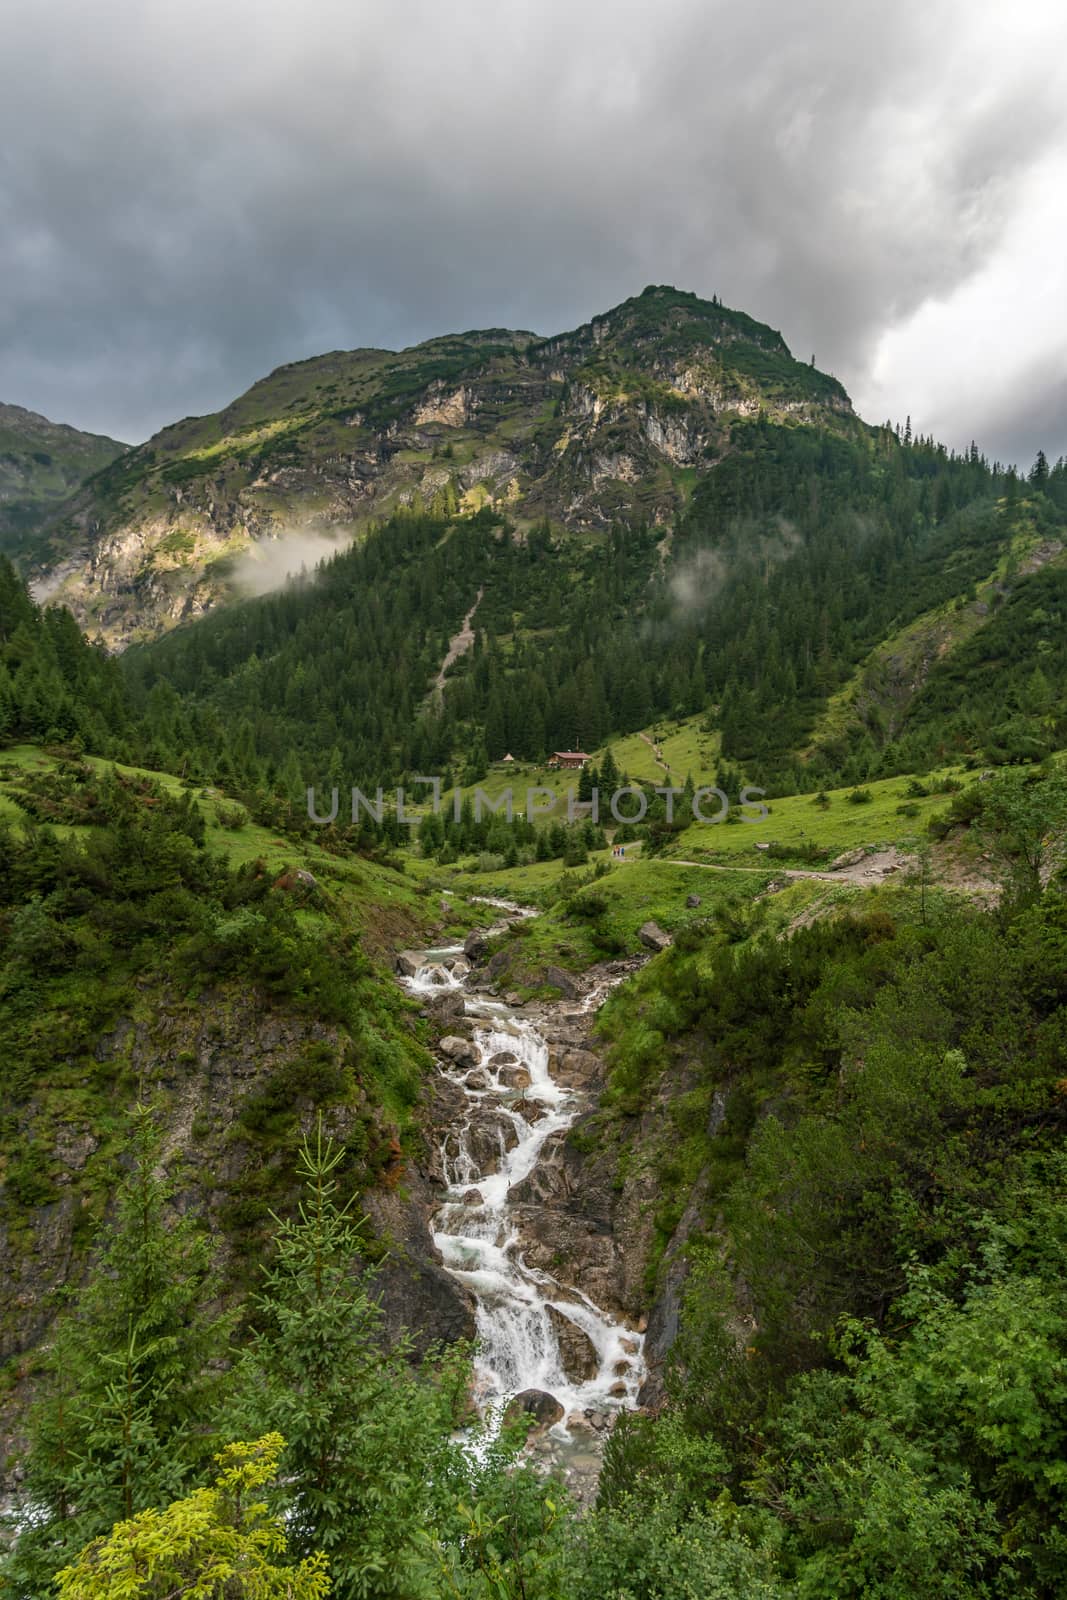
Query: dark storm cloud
191	194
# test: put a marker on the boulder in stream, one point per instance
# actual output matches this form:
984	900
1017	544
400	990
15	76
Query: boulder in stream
577	1068
544	1408
488	1139
476	947
459	1050
577	1352
444	1005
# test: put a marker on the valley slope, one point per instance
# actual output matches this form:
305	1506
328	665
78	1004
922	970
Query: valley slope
611	422
41	464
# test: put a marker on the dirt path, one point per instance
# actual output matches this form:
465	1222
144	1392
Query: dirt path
458	646
657	753
879	864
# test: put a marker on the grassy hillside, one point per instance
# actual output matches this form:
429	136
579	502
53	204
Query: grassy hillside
42	463
879	700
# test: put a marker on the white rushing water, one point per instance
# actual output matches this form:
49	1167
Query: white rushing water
513	1107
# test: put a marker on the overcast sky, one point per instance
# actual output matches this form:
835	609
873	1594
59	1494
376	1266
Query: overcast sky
193	193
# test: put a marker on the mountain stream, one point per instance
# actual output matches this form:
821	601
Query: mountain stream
512	1106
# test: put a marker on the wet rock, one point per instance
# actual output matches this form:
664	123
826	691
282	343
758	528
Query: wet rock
444	1007
459	1050
563	981
577	1352
419	1295
515	1077
653	937
545	1185
503	1058
408	963
415	1290
489	1138
476	947
573	1248
544	1408
577	1068
457	966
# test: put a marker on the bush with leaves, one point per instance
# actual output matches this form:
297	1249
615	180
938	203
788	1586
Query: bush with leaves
216	1544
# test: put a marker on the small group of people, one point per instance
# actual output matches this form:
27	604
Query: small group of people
619	850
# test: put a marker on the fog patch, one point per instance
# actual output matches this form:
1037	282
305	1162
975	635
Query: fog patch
696	579
268	563
695	582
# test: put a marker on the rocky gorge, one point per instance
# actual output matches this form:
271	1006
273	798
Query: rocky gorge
538	1235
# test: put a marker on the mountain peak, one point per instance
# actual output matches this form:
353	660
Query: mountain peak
607	424
674	320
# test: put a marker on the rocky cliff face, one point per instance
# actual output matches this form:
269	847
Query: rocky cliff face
607	423
212	1067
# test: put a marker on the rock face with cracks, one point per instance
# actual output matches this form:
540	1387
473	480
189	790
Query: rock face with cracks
601	426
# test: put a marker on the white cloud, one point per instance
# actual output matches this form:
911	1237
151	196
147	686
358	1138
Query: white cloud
190	195
988	361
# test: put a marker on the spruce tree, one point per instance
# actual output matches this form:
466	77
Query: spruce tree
123	1417
368	1465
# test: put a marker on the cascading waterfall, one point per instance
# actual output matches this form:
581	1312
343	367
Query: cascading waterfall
513	1107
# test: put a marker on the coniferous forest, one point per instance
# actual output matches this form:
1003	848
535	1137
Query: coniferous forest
794	560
